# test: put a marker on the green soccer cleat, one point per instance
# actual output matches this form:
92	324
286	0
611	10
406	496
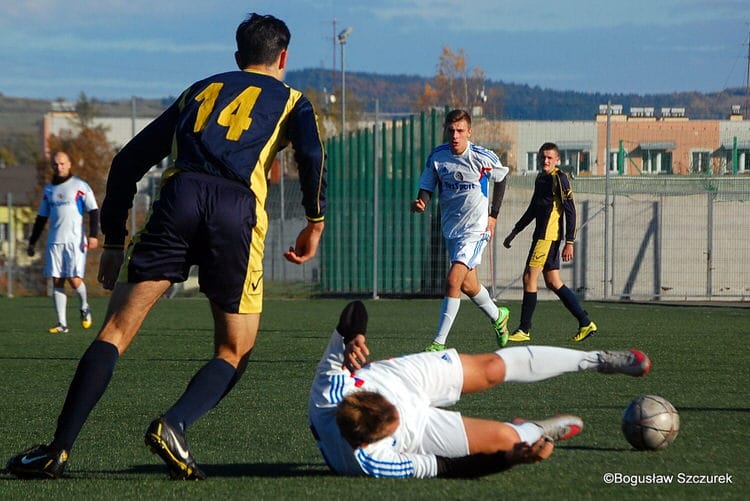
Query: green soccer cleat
39	461
501	326
520	336
435	346
170	444
584	332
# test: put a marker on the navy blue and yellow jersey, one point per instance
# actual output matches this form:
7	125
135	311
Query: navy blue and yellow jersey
229	125
552	208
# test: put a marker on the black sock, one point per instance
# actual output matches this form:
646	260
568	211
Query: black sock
88	385
570	301
527	310
205	390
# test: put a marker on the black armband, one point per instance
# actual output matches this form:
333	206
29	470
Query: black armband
498	193
353	321
472	466
36	232
94	223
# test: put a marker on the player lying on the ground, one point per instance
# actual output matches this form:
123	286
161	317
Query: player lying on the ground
382	419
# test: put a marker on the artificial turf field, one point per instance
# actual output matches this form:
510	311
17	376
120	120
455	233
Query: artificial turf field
256	444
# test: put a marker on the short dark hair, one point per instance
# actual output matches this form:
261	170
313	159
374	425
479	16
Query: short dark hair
456	116
364	416
260	39
548	147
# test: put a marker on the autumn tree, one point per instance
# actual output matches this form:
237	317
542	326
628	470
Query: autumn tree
455	85
90	151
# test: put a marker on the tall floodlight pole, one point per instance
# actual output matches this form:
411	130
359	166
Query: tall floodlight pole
342	42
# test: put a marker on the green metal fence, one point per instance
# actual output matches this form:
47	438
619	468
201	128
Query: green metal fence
373	244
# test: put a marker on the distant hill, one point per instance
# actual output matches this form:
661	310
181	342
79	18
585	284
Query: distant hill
399	93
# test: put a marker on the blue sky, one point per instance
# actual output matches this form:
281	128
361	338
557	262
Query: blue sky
113	49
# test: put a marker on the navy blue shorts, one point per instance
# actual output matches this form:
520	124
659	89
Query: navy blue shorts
210	222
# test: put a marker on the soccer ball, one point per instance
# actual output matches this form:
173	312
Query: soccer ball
650	422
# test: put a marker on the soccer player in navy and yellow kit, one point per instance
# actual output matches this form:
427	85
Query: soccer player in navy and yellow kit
223	132
554	211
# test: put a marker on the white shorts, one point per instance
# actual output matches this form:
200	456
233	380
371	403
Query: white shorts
468	249
428	380
65	261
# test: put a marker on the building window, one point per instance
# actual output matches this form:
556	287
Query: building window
656	161
575	161
700	162
531	161
743	161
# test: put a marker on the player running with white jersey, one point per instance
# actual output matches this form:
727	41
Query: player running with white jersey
462	171
383	419
64	202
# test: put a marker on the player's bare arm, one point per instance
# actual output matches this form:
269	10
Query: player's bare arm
307	242
491	222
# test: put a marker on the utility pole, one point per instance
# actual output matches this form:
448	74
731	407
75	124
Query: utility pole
333	68
607	163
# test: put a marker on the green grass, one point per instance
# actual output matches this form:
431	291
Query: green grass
256	445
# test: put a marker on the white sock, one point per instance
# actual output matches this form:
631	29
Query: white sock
486	304
448	312
527	432
82	296
61	302
528	364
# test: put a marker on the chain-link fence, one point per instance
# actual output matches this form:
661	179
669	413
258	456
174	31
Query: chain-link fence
666	238
639	238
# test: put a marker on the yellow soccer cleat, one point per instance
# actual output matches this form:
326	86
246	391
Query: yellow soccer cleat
584	332
520	336
86	321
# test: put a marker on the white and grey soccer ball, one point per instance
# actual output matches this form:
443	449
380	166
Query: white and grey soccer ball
650	422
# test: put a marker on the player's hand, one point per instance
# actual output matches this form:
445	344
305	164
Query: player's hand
109	267
356	353
491	222
418	205
306	245
30	251
508	240
93	242
567	252
534	453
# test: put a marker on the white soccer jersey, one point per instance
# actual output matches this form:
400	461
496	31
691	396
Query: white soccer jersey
413	390
64	204
463	181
